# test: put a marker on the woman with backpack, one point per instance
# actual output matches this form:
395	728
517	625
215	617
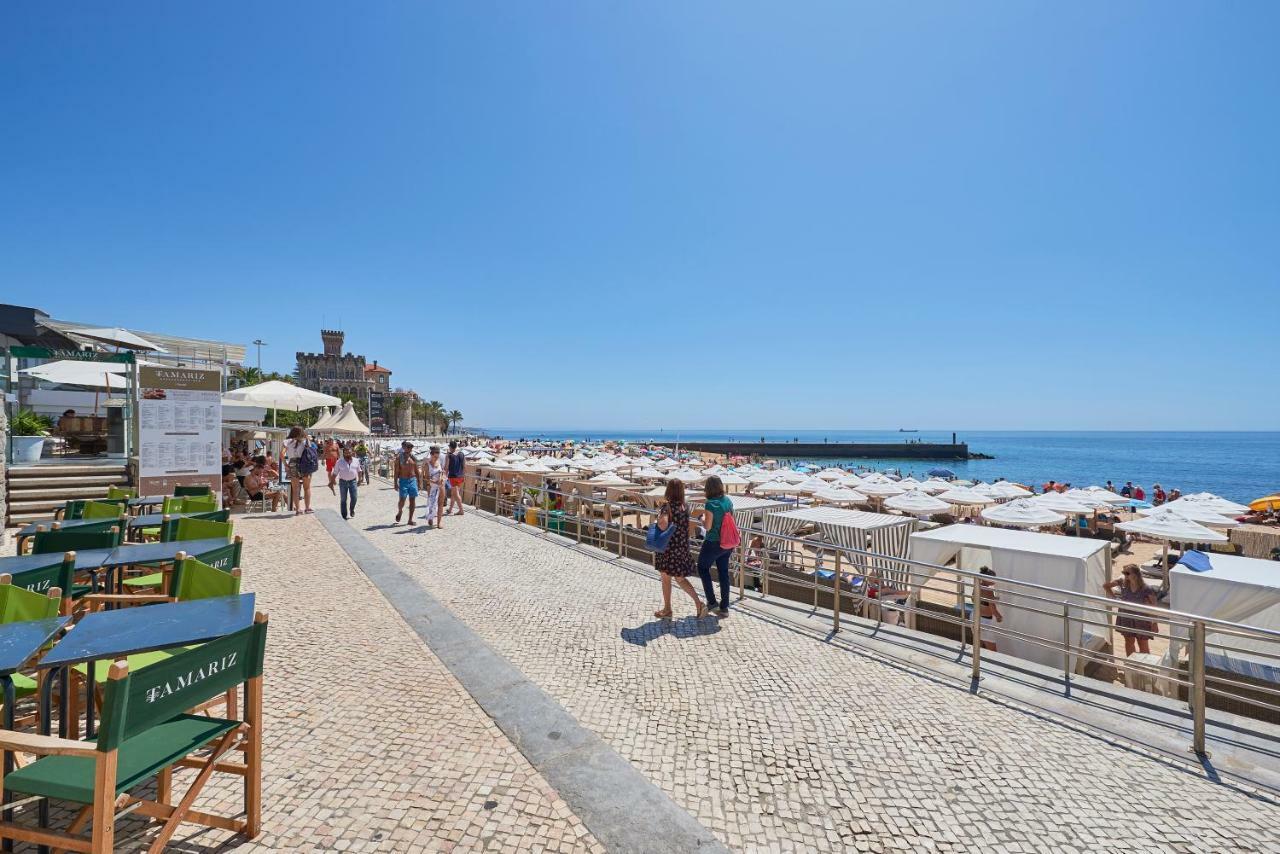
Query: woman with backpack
721	540
676	561
302	460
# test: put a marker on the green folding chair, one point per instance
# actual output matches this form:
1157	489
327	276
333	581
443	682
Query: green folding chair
57	574
19	605
225	558
147	730
74	540
125	492
102	510
191	528
169	528
199	504
74	508
204	489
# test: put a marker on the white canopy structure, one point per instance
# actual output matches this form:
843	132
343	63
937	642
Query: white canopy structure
609	479
1209	501
1061	503
1193	512
325	417
1069	563
840	495
1238	590
1022	513
1172	527
775	487
1005	490
879	489
876	532
347	422
917	502
934	486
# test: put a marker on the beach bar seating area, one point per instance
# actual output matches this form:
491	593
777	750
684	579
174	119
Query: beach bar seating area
132	674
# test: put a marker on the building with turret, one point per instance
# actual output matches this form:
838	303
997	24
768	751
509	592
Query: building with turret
345	375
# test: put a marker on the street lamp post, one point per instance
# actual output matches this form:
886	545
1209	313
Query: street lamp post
260	344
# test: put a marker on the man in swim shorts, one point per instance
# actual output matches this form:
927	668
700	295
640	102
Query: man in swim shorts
408	479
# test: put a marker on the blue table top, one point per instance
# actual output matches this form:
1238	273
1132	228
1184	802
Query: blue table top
63	525
147	499
85	559
20	641
152	552
125	631
151	520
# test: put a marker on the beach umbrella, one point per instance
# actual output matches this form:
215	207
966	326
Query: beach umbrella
666	464
1022	513
830	474
274	394
535	466
1193	513
1004	489
810	486
933	486
731	479
945	473
609	479
966	496
686	475
1061	503
851	481
761	477
1265	503
876	489
840	495
106	375
917	503
500	464
1211	502
909	483
775	487
1102	494
647	473
961	482
792	476
117	337
1172	528
876	477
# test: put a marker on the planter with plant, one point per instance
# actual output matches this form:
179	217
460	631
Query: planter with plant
29	430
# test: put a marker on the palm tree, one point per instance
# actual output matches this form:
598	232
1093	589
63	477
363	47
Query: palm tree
455	418
435	412
248	376
399	402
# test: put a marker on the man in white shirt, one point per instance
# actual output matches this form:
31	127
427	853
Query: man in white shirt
346	471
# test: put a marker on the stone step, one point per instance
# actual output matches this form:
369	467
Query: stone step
18	499
68	471
64	482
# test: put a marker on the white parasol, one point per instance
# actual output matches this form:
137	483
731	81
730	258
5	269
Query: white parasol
1022	513
964	495
917	502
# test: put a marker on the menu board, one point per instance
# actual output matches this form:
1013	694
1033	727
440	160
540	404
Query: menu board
179	428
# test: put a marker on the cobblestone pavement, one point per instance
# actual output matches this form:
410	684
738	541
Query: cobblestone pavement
777	742
370	743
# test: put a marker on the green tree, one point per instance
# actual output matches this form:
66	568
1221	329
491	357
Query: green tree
399	403
247	376
455	418
435	413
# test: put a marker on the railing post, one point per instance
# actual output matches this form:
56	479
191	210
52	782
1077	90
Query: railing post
742	569
622	532
835	604
577	515
975	628
1197	686
1066	644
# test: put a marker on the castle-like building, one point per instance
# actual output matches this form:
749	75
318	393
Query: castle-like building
345	374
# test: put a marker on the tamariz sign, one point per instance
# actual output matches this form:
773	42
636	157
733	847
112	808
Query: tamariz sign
179	429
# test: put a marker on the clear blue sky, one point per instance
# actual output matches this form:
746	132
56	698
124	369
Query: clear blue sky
947	215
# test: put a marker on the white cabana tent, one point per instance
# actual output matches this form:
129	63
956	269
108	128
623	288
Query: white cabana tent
347	422
1069	563
876	532
1238	590
325	417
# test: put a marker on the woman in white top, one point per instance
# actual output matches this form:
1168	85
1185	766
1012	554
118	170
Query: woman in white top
435	485
293	448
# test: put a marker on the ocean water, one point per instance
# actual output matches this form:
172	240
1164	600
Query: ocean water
1240	466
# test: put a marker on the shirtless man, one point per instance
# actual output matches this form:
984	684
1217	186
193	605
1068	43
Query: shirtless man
408	479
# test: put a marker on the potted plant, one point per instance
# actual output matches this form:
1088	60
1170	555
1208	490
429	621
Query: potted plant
29	430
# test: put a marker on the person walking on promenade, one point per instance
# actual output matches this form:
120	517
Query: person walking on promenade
362	454
714	510
457	476
1136	628
676	563
330	454
408	479
435	487
300	458
346	471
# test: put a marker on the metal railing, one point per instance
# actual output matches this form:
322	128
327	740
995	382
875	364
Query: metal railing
876	585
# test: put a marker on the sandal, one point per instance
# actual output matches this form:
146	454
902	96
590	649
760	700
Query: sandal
702	610
664	614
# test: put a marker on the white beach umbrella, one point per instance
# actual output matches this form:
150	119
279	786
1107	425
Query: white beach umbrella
647	473
1191	512
811	485
1089	497
686	475
108	375
274	394
917	503
762	477
963	484
1211	502
792	476
909	483
117	337
876	477
1102	494
1022	513
535	466
1061	503
609	479
876	489
840	495
964	495
1172	527
851	481
830	474
666	464
731	479
1003	490
499	463
775	487
933	486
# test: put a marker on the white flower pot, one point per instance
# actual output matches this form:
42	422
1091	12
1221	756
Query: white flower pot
27	449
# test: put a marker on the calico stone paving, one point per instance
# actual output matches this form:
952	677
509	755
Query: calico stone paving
370	743
777	742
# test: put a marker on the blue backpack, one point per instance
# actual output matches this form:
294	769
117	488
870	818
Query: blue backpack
308	460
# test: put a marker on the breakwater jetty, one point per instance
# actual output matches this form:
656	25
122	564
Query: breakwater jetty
838	450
